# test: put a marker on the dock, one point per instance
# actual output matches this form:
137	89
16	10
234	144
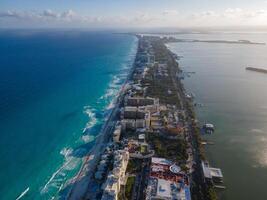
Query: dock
220	187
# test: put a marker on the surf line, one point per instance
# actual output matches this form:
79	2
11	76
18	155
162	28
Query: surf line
23	193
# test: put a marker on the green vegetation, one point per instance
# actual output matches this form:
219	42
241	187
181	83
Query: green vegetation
173	149
134	165
158	87
196	133
211	193
129	187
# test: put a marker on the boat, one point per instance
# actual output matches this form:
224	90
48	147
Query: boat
208	128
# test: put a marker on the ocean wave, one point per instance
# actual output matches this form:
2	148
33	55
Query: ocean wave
112	89
118	80
72	159
88	138
58	178
110	105
23	193
92	118
66	152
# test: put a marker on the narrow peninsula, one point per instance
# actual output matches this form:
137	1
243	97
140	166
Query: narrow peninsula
150	147
174	40
261	70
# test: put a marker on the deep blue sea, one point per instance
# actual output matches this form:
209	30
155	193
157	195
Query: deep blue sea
56	88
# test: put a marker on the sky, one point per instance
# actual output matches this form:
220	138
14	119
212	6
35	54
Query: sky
131	13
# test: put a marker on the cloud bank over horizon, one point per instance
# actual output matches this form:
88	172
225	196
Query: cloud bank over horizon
160	17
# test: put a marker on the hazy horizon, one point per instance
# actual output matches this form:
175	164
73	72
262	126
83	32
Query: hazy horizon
132	14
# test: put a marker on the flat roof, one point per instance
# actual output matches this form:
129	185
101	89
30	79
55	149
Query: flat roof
170	190
141	136
163	188
209	125
210	172
161	161
155	168
216	172
206	170
130	108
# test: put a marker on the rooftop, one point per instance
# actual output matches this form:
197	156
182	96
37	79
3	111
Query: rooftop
161	161
210	172
163	188
216	172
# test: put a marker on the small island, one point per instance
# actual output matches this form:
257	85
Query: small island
175	40
261	70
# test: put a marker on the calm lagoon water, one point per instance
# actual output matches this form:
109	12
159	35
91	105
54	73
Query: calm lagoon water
235	100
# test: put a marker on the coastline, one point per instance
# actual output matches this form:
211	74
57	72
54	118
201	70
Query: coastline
84	185
215	85
254	69
79	184
55	116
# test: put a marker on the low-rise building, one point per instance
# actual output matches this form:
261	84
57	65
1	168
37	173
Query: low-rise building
167	181
167	190
211	174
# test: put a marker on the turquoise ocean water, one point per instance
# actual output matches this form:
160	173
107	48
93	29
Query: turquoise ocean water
56	88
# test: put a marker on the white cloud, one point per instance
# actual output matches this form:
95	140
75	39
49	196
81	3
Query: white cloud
49	13
9	13
68	14
227	17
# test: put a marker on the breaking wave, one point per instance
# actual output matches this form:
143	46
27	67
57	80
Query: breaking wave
88	138
56	181
90	112
23	193
60	177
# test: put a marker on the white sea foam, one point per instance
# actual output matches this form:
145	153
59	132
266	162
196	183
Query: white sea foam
111	105
92	118
117	81
59	176
23	193
112	89
66	152
88	138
